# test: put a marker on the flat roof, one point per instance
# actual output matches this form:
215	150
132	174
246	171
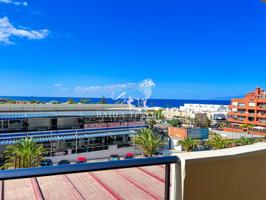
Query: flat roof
46	136
134	183
62	107
27	115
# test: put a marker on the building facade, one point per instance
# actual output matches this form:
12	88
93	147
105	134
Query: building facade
72	128
248	113
190	111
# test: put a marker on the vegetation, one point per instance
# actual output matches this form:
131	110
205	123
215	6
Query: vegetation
35	102
148	142
151	123
102	100
208	122
189	144
218	142
71	101
246	141
159	114
85	101
25	154
175	122
246	125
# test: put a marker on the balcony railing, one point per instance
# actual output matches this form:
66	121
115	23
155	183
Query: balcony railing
92	167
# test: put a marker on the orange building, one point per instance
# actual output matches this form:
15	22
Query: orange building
248	113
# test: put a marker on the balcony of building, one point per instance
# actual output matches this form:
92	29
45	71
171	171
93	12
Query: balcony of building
261	99
261	122
237	120
261	114
233	174
261	106
243	114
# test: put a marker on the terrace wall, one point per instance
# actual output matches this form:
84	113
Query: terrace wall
232	174
237	130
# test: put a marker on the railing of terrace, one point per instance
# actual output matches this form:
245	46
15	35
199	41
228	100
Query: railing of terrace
91	167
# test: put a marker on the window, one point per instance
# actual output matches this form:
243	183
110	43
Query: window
235	103
5	124
242	105
251	104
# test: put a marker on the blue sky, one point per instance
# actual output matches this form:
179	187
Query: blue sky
190	49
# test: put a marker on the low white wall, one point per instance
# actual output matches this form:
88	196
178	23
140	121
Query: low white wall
96	154
234	174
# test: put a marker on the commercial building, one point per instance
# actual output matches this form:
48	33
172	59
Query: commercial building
67	129
248	113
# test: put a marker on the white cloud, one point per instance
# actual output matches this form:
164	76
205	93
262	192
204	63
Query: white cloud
58	85
17	3
106	88
85	89
142	89
7	31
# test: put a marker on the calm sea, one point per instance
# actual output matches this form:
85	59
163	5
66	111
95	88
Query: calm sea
166	103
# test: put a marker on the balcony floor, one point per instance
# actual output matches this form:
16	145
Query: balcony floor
135	183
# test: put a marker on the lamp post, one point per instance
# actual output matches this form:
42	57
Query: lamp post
76	141
51	144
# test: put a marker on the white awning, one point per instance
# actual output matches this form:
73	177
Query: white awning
259	127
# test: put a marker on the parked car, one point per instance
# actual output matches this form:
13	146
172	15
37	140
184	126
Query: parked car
64	162
129	156
46	162
114	157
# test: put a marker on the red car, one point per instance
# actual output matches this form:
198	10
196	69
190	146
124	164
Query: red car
129	156
81	160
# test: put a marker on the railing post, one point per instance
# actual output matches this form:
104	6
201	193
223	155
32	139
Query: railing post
167	182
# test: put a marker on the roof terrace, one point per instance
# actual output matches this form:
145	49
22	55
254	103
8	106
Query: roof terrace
233	174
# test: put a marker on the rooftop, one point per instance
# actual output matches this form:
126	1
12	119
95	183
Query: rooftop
99	113
62	107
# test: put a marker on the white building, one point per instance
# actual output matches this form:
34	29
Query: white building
189	110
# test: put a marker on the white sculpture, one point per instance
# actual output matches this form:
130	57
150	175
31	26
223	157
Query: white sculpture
140	92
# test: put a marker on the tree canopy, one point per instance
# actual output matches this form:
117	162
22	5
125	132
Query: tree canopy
148	142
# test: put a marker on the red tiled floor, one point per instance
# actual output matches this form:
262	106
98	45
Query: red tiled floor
130	184
19	189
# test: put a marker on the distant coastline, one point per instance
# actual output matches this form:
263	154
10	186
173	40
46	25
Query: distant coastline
165	103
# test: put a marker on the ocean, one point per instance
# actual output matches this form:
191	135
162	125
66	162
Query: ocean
165	103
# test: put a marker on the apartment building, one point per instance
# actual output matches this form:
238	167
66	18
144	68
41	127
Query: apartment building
249	113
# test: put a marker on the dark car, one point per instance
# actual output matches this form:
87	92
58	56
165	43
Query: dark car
46	162
64	162
114	157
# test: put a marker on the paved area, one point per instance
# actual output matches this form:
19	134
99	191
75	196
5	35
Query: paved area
134	183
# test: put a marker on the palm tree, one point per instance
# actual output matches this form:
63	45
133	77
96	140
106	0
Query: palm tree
159	114
102	100
189	144
217	142
246	141
151	123
24	154
148	142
